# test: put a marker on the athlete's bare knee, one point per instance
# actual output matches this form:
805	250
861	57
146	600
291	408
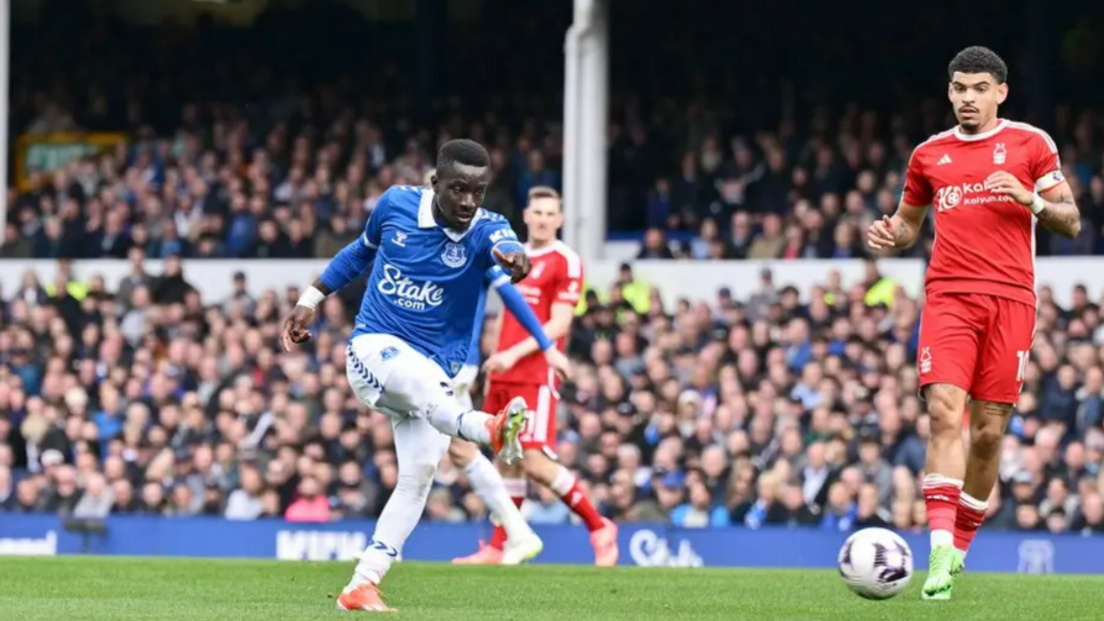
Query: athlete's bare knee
538	467
987	423
461	452
945	406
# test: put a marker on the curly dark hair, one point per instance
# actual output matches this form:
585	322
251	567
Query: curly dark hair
462	151
978	59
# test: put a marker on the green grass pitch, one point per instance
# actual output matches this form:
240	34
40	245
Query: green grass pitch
119	589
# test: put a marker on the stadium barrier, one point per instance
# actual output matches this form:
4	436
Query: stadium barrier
641	544
694	280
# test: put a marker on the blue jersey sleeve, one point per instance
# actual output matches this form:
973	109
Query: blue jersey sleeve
502	238
355	259
515	302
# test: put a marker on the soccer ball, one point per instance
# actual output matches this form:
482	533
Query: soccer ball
875	563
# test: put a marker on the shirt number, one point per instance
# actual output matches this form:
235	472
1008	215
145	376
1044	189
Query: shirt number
1021	368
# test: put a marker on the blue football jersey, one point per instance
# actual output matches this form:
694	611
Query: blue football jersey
428	282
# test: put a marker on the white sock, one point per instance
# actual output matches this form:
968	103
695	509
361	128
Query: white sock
488	484
470	425
942	538
399	517
563	482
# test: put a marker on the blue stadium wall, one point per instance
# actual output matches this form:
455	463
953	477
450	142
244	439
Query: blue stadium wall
643	545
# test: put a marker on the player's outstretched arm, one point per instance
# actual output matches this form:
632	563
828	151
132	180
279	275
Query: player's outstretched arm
297	325
899	231
352	261
513	259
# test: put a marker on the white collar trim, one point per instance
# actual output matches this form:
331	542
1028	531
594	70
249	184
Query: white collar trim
425	210
1001	124
427	221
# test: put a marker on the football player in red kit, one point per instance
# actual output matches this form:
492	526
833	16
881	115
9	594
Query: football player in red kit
553	289
990	180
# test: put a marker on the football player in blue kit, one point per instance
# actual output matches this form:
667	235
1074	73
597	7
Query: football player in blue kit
431	252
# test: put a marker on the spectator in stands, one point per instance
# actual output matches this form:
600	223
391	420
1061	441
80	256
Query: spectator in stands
311	505
770	241
806	393
798	479
699	512
547	509
655	246
96	500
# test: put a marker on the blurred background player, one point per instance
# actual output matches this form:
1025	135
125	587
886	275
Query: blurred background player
553	289
990	180
522	544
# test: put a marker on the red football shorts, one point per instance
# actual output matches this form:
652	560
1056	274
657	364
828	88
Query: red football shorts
980	343
540	431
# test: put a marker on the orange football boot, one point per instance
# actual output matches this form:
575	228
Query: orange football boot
365	597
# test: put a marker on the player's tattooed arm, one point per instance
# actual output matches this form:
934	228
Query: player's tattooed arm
1060	213
899	231
909	223
1054	207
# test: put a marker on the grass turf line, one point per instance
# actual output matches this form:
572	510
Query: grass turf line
120	589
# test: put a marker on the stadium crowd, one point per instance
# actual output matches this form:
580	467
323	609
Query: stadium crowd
753	409
251	162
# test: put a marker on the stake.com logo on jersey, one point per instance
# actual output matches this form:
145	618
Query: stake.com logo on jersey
407	293
950	196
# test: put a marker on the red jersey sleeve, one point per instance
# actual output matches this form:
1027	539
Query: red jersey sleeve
918	190
1046	168
568	287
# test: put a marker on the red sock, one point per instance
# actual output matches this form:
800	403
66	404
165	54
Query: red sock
567	487
941	499
517	490
498	536
971	513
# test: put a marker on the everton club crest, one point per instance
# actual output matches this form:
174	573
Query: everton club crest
454	255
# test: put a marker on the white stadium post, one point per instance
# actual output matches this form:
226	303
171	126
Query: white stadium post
570	177
586	99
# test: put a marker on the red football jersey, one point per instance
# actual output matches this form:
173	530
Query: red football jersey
556	277
984	242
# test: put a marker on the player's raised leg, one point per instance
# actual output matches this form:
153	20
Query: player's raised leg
498	395
388	375
487	483
1001	368
522	544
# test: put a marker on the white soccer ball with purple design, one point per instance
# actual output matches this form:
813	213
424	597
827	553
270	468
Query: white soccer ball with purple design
875	563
